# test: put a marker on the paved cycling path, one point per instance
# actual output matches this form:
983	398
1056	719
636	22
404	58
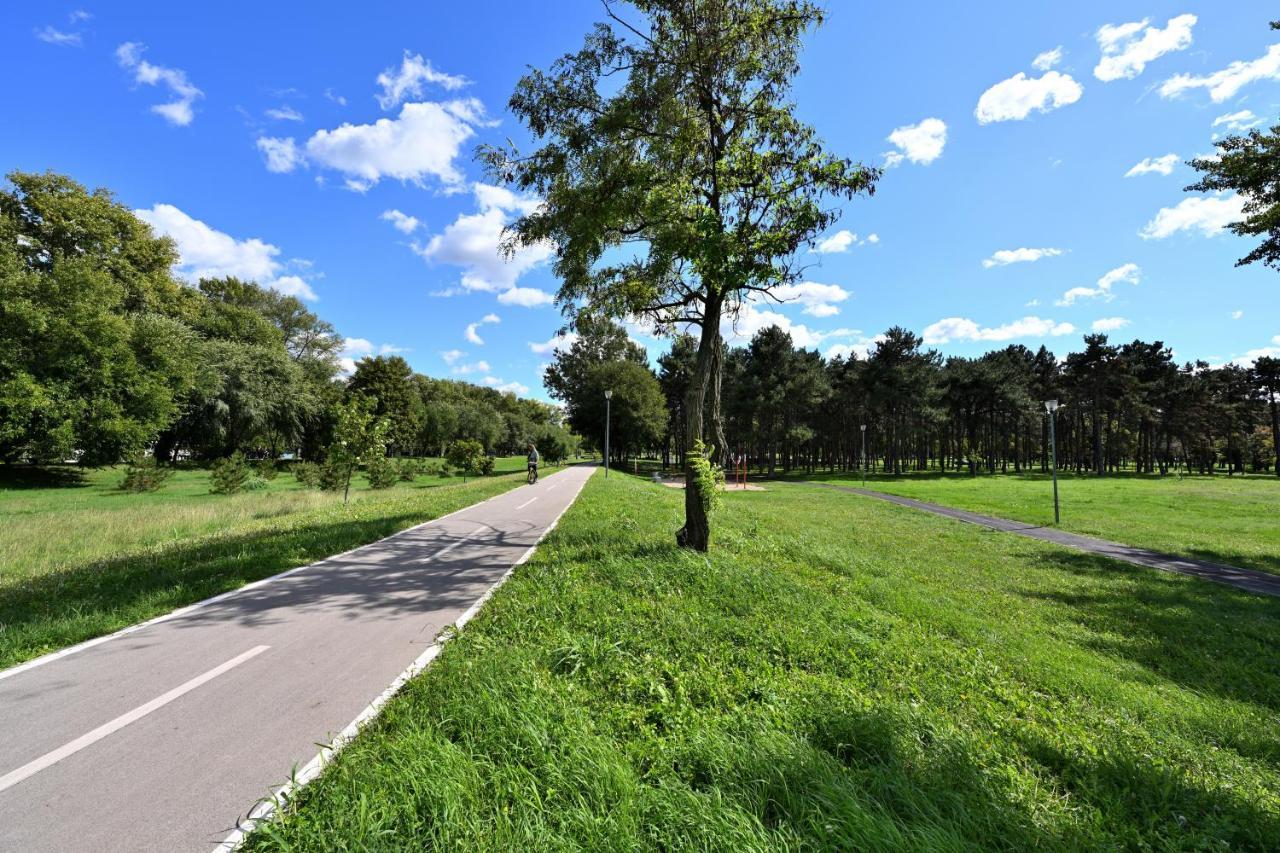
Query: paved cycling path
1246	579
161	738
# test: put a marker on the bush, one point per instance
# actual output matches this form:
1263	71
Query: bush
144	474
266	469
486	465
333	476
255	483
228	476
307	474
411	469
466	454
382	472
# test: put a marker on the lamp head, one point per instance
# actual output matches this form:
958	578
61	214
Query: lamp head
608	394
1051	406
863	427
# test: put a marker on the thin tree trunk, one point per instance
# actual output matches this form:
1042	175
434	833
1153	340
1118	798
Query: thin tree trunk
696	533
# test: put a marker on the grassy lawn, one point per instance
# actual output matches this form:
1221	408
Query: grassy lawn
79	558
1233	520
839	674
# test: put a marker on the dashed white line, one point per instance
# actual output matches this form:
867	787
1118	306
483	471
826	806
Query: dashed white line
526	503
49	759
446	549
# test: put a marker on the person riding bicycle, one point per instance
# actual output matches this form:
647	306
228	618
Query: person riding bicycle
533	460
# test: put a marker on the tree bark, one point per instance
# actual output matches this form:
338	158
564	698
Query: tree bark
696	533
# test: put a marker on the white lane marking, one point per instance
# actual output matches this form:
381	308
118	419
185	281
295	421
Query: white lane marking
49	759
268	805
182	611
526	503
446	549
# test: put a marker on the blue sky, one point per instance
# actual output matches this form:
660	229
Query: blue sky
1030	195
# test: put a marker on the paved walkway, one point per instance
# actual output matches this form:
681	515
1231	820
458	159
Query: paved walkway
1246	579
160	738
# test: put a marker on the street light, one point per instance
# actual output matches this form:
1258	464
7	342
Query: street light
608	398
863	427
1051	406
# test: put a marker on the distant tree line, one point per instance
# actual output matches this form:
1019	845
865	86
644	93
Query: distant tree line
104	354
1123	406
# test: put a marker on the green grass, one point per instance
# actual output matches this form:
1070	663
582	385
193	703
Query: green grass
839	673
1233	520
81	559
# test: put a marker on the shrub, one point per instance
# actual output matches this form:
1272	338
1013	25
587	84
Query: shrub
466	454
266	469
333	476
254	483
228	476
307	474
382	472
411	469
486	465
144	474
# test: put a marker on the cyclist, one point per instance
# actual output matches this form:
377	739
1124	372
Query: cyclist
533	460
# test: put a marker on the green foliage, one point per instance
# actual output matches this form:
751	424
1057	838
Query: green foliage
333	476
359	435
467	455
228	476
409	469
255	483
266	469
382	472
486	465
386	380
708	478
307	474
143	474
1249	164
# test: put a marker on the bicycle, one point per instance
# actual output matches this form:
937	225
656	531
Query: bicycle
533	475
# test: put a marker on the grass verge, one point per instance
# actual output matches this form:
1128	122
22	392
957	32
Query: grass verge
837	674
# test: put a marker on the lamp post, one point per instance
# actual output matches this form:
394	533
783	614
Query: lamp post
608	402
863	427
1051	406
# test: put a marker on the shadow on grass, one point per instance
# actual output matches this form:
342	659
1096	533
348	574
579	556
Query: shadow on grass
1203	636
40	477
62	608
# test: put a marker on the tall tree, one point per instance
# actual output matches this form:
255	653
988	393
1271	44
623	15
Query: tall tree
674	138
1266	373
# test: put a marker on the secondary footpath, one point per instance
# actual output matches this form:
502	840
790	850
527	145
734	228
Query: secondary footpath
162	738
1246	579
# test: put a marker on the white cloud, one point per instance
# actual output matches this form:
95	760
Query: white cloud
1208	214
1130	273
178	111
79	15
861	348
474	242
1015	98
1223	85
873	238
1154	165
480	366
450	356
354	349
837	242
284	113
472	333
1241	121
1236	315
1004	257
52	35
963	329
335	97
1253	355
525	297
1048	59
1109	324
402	222
919	143
401	85
506	387
423	141
818	299
205	252
555	344
280	155
1127	48
742	327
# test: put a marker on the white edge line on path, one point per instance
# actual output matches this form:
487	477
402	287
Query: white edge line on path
51	758
184	610
268	805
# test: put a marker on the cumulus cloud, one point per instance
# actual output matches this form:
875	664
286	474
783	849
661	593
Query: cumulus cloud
920	143
1127	48
1048	59
280	155
474	242
525	297
178	111
1236	315
1130	273
860	348
517	388
472	334
1207	214
480	366
1223	85
1238	121
205	252
1004	257
1109	324
837	242
450	356
961	329
1015	98
399	85
402	222
1154	165
354	349
818	299
742	326
555	344
52	35
1253	355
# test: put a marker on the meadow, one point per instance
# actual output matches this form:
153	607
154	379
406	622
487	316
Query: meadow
837	673
1233	520
80	558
